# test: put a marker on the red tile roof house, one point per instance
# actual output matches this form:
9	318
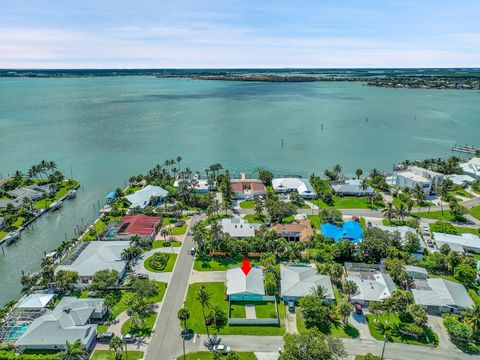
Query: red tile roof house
247	189
139	224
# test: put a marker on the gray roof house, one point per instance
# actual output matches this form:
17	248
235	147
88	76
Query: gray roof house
141	198
298	281
351	187
416	272
373	283
460	243
239	228
244	287
69	321
90	257
300	185
33	192
439	295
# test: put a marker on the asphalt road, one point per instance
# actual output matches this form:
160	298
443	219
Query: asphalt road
166	342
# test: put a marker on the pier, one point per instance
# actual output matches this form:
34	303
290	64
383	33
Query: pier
469	149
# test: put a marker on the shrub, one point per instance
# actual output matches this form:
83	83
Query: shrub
457	329
159	260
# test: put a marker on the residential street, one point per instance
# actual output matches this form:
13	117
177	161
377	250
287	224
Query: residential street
166	342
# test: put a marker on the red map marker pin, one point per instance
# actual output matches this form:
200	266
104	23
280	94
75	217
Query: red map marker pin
246	267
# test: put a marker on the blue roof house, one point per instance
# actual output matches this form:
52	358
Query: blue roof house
350	230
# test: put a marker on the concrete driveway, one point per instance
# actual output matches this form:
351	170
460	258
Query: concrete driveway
359	321
207	276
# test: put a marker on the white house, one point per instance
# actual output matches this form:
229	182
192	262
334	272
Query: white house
90	257
373	283
461	180
239	228
71	320
298	281
291	184
439	295
351	187
142	198
461	243
472	167
427	180
245	287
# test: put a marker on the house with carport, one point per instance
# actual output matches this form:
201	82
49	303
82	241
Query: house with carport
297	281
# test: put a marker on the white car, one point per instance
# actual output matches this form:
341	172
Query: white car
222	349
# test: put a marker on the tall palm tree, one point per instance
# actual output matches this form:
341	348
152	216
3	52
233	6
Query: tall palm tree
337	169
183	315
364	185
388	211
344	309
444	192
350	288
116	344
74	351
203	297
401	212
358	173
178	160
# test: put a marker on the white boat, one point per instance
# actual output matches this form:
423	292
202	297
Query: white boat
55	206
71	194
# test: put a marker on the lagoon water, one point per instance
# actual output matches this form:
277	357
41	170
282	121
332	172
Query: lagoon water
107	129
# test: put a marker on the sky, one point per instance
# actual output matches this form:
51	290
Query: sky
239	33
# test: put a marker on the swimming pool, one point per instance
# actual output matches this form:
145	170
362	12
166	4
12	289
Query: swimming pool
17	331
111	233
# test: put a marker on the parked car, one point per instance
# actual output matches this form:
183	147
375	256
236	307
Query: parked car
192	251
358	308
128	338
142	276
93	293
291	306
369	224
180	223
431	243
104	337
426	231
268	222
222	349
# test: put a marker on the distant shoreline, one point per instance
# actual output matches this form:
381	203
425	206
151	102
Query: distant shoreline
454	79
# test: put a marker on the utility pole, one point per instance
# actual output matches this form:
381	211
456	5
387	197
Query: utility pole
384	343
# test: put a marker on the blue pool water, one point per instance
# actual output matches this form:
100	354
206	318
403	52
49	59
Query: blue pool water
351	230
17	331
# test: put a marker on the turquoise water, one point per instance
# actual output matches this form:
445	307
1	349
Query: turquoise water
108	129
17	331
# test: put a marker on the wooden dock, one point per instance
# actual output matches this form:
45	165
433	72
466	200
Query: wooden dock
469	149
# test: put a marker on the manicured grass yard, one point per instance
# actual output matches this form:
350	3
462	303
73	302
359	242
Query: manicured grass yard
377	331
179	230
217	297
336	330
206	355
219	264
436	215
42	204
110	355
348	202
263	309
120	306
314	221
475	212
247	204
142	330
168	268
160	244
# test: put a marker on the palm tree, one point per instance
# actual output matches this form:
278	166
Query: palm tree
344	309
203	297
375	307
116	344
350	288
320	292
388	211
358	173
74	351
183	315
337	169
401	212
444	192
374	173
364	185
472	317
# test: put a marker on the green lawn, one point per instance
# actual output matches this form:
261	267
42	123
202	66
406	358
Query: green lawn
458	190
377	331
219	264
179	230
251	219
247	204
475	212
110	355
263	309
436	215
143	329
2	234
348	202
336	330
205	355
42	204
168	268
170	220
450	229
411	223
120	306
161	243
131	189
217	297
314	221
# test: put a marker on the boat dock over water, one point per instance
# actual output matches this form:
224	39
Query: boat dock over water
469	149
